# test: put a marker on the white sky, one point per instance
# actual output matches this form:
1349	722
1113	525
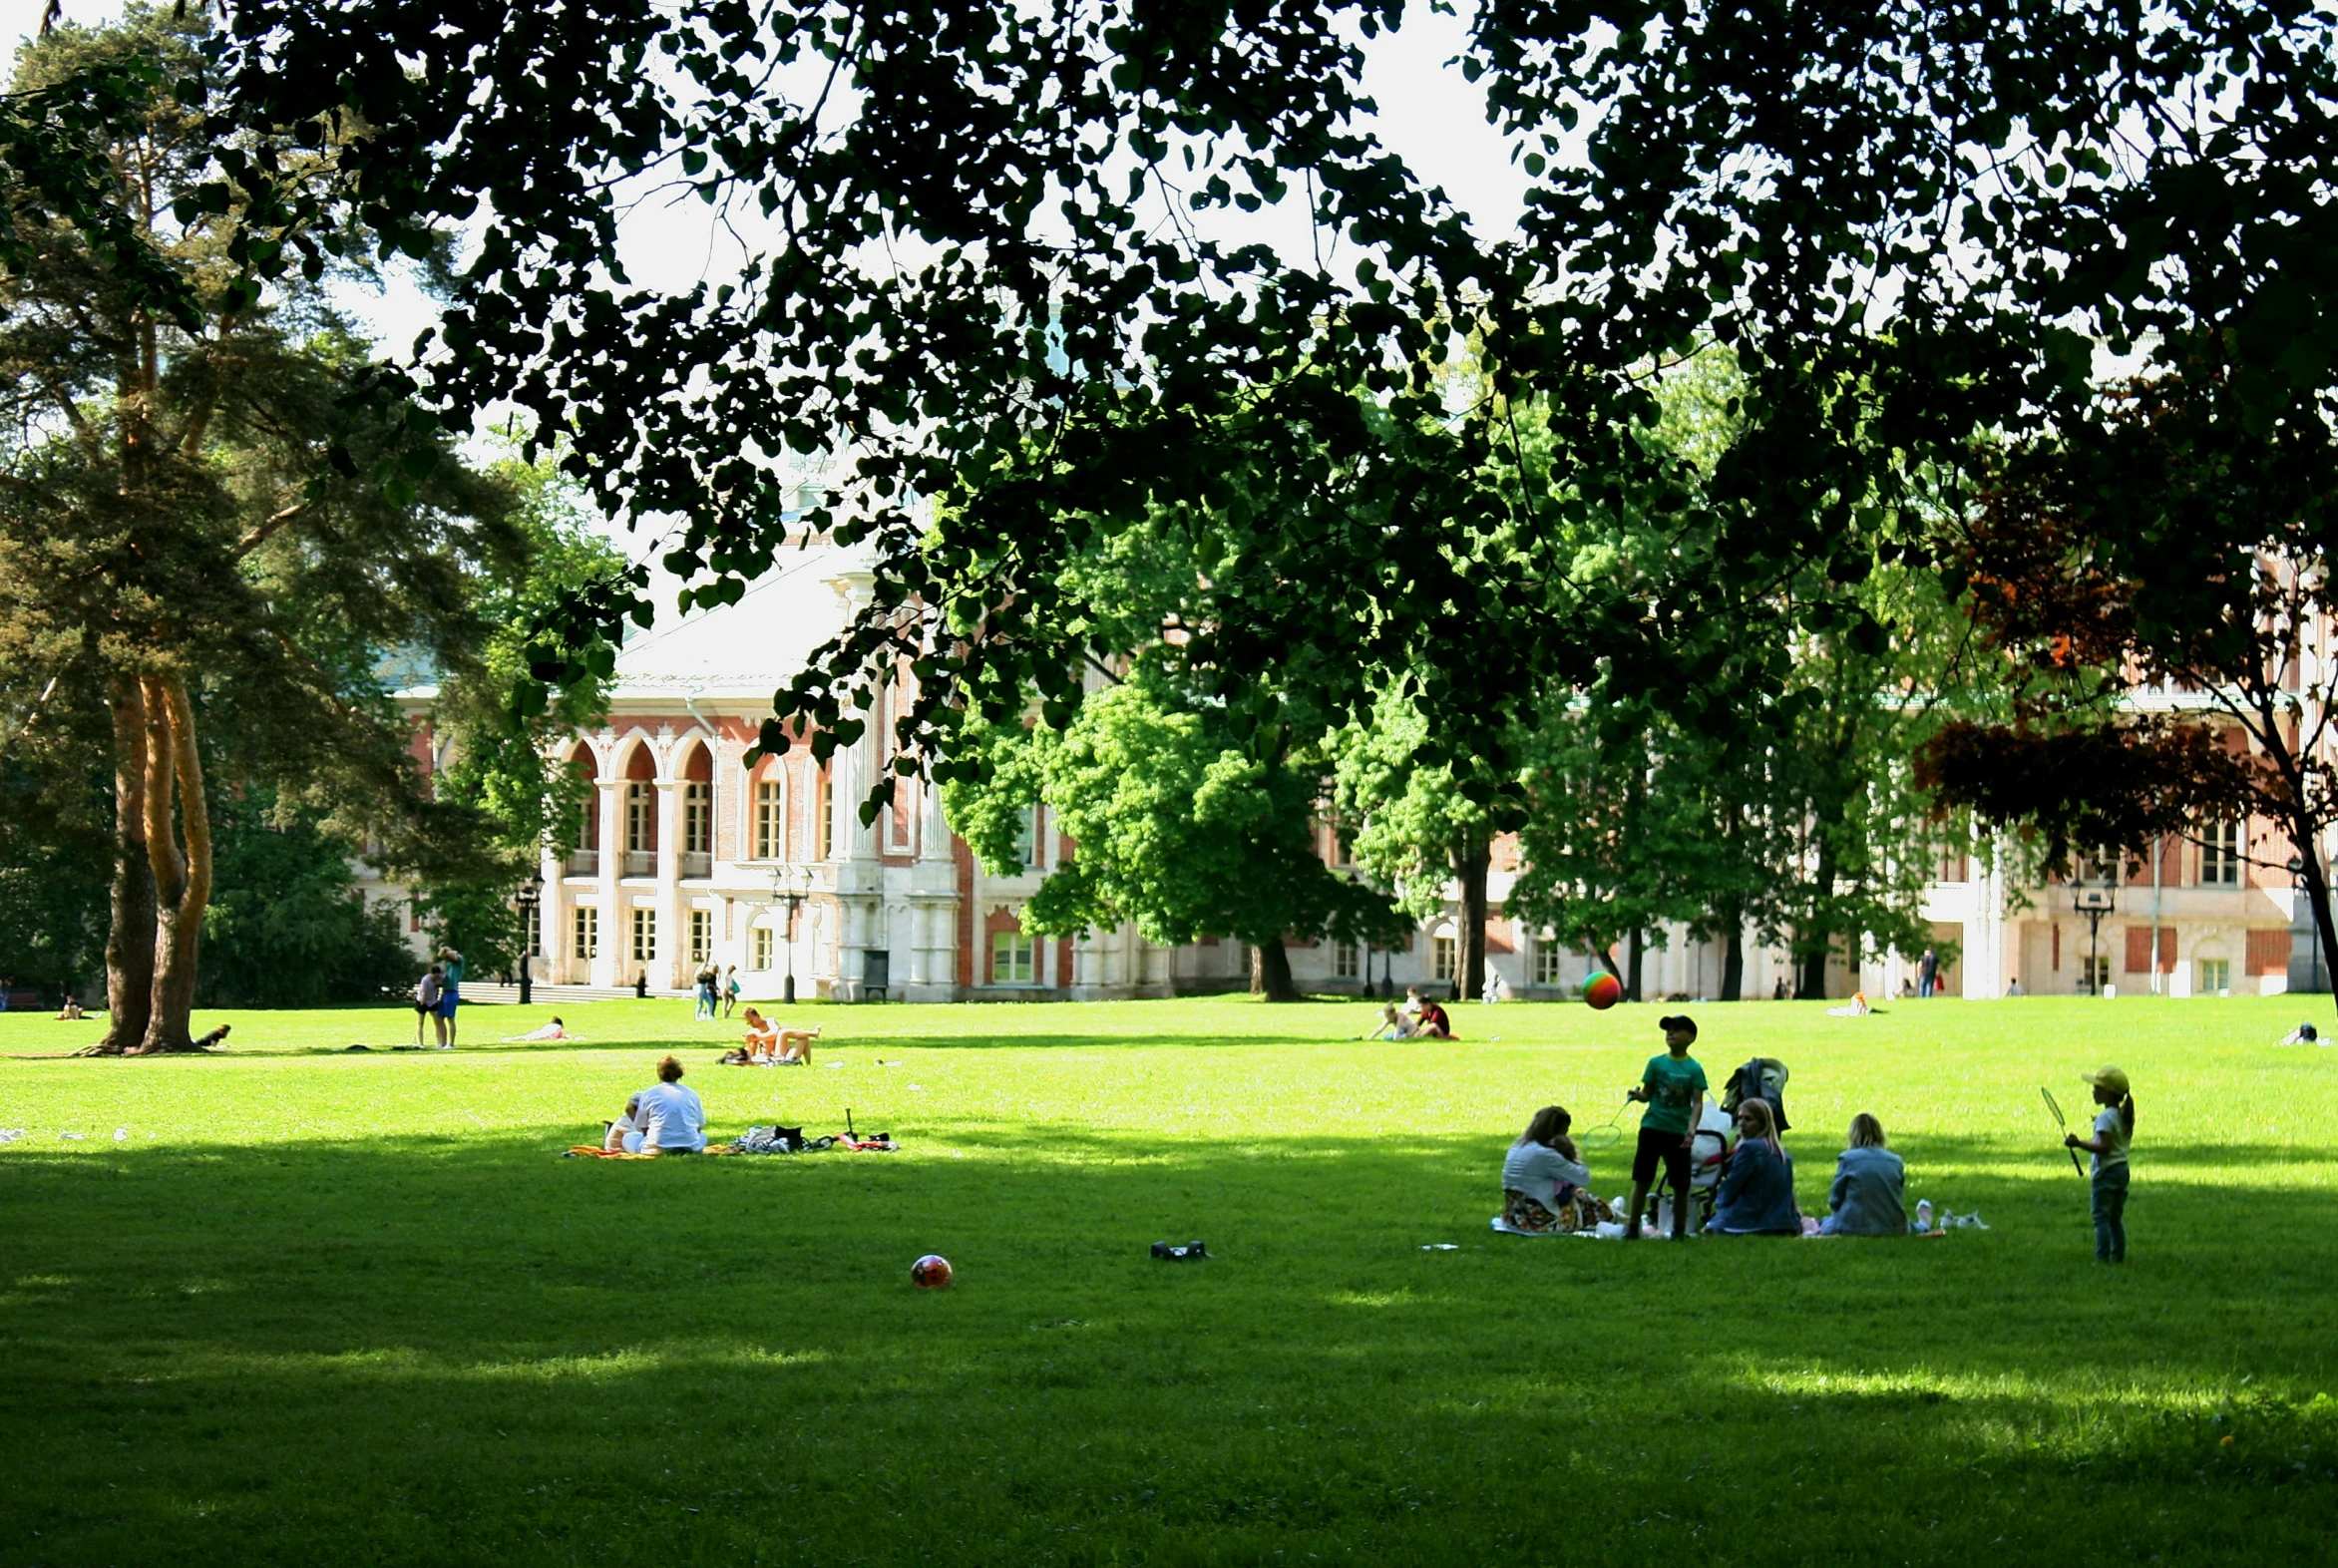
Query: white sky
1429	115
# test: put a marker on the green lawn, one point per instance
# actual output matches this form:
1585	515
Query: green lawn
320	1307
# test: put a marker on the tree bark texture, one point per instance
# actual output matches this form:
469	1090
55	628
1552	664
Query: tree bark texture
130	936
1470	863
1270	972
1636	951
1733	965
1816	943
183	876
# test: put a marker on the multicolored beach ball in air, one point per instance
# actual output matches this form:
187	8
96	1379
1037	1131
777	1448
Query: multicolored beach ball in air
1603	991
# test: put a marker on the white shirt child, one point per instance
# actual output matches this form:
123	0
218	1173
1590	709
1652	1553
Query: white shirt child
2110	1132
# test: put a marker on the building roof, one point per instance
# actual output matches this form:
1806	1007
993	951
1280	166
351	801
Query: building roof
746	648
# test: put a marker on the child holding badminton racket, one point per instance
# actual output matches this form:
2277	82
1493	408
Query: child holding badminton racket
2115	1127
1672	1088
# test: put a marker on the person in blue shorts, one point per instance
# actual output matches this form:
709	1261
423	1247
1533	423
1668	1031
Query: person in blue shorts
449	996
1672	1088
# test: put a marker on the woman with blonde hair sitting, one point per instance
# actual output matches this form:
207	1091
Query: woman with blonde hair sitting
771	1044
1757	1196
1868	1197
1546	1187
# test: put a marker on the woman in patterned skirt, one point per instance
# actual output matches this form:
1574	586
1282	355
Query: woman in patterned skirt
1546	1187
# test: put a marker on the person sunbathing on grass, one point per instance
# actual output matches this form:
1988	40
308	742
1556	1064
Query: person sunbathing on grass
767	1041
550	1032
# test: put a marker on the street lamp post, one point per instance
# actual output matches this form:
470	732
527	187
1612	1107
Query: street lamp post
2094	901
529	898
789	885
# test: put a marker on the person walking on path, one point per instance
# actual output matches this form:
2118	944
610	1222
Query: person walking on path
730	989
1673	1087
1927	973
705	983
2114	1128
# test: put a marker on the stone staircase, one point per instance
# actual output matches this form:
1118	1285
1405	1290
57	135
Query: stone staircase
494	992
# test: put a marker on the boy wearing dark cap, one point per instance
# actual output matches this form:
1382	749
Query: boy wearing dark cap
1673	1087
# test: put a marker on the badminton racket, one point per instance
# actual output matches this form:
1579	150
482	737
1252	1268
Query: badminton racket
2056	1110
1607	1134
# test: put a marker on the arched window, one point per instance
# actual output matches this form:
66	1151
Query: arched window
770	824
698	813
640	818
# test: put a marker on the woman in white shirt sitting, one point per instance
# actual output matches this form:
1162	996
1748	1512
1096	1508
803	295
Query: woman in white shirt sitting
1546	1187
670	1117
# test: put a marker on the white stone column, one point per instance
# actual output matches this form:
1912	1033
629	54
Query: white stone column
666	971
605	966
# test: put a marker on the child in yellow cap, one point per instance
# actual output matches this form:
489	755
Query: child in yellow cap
2115	1126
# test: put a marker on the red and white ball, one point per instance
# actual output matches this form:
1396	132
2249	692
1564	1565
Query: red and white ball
930	1273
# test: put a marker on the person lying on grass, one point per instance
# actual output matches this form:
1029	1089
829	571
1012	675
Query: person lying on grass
553	1030
1395	1025
1546	1187
671	1118
1869	1195
1757	1196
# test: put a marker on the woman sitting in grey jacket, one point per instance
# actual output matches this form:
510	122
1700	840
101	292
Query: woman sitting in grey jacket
1870	1183
1546	1187
1757	1196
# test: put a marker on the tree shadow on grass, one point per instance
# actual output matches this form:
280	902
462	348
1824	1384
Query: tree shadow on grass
469	1348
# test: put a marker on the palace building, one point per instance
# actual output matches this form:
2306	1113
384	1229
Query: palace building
690	858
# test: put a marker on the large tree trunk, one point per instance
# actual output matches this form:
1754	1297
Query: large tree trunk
1817	940
1635	953
1732	963
1270	972
129	934
182	878
1470	864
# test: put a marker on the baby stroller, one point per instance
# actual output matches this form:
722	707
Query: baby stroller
1707	1154
1763	1079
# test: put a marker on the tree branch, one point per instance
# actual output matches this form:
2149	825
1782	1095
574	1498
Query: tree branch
263	531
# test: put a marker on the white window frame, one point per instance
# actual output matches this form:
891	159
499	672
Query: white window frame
2220	851
761	948
644	924
1550	955
770	821
697	817
1024	950
701	935
584	931
1445	959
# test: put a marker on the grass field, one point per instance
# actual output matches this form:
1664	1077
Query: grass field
312	1306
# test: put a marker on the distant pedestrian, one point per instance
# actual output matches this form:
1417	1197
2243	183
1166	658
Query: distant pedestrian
1928	972
2114	1128
730	989
705	983
1493	986
1778	992
450	998
426	993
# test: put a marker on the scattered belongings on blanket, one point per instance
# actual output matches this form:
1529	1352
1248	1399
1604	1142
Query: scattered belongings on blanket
1191	1252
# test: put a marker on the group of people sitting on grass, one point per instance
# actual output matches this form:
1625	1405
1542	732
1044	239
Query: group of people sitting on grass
666	1118
1547	1188
766	1044
1419	1019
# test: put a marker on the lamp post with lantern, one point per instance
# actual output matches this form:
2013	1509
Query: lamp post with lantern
790	884
529	900
2095	897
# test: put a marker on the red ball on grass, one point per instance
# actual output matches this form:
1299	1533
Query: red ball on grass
930	1273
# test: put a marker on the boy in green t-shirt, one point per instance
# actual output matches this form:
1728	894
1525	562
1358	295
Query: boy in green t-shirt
1672	1086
